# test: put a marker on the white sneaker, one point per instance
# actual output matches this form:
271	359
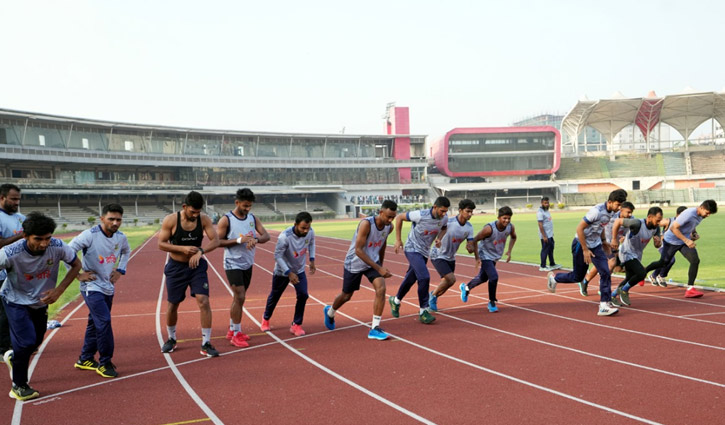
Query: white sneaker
607	309
551	282
555	267
661	280
544	269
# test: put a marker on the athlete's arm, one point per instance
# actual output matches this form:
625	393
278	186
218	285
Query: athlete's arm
483	234
11	239
399	219
543	233
222	229
52	295
165	235
583	240
362	237
512	242
439	238
262	235
675	229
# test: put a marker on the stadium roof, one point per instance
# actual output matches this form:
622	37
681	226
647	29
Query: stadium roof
684	112
470	187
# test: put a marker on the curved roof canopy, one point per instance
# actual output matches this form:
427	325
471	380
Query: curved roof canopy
683	112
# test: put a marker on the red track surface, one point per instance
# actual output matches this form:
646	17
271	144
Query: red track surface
544	358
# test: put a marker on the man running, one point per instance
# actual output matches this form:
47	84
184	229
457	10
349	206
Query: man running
240	231
365	258
11	230
444	258
181	236
657	278
546	236
492	240
429	226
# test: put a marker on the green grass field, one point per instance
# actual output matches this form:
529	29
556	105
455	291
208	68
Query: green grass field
527	246
136	236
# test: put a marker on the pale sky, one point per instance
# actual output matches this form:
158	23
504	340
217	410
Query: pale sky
319	66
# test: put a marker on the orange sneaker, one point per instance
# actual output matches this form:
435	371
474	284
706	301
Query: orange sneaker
296	330
239	341
693	293
265	326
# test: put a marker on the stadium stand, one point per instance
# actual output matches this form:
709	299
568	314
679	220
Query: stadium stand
711	162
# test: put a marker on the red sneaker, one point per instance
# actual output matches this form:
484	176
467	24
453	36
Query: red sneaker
693	293
265	326
641	283
244	336
296	330
238	341
230	334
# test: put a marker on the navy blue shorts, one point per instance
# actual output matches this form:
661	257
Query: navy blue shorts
443	267
179	276
351	281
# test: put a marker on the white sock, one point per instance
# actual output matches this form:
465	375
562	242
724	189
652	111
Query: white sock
396	300
331	313
172	331
231	324
205	335
237	327
466	288
603	304
422	310
376	321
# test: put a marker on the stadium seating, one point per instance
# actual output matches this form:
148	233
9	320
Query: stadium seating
709	162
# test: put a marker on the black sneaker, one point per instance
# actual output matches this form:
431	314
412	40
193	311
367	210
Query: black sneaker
209	350
169	346
86	364
107	370
23	392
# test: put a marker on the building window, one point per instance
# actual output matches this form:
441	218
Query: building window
41	140
84	141
128	145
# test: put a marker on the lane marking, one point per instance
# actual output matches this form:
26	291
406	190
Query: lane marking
192	421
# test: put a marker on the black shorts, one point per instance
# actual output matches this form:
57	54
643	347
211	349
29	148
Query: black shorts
239	277
351	281
179	276
444	267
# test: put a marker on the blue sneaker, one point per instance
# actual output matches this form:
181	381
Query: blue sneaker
464	292
329	321
377	333
433	302
492	307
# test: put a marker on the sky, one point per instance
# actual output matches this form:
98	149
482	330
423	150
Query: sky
332	66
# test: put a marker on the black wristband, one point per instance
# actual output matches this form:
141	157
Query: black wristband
202	250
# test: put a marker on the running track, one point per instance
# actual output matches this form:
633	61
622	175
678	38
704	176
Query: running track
544	358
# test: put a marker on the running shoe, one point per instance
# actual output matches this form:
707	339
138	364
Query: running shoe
86	364
239	341
169	346
265	326
492	307
583	288
378	333
296	330
555	267
8	360
329	321
107	370
654	280
693	293
544	269
661	280
641	283
607	309
208	350
433	302
426	318
551	282
616	302
624	297
394	308
23	392
230	334
464	292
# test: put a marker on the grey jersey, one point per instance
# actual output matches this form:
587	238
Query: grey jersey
454	237
238	256
29	276
100	255
374	242
544	217
597	218
424	230
291	252
688	221
635	240
10	225
492	247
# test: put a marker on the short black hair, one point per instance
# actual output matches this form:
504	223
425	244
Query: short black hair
245	194
680	209
505	211
6	188
654	211
38	224
619	195
303	216
628	205
194	200
112	208
544	198
390	205
466	203
442	201
710	205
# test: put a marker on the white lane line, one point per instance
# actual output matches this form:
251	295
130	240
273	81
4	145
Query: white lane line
325	369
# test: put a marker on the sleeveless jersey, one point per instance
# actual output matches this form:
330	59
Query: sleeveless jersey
634	243
183	237
238	256
492	247
373	243
424	231
10	225
455	235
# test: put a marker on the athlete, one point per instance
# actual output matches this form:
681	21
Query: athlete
365	258
546	236
32	272
657	278
181	236
444	258
293	247
639	233
11	230
589	246
429	226
103	246
240	231
491	241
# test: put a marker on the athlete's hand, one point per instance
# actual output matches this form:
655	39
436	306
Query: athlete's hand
614	244
438	243
189	250
194	260
587	255
398	245
86	276
508	256
545	239
293	278
478	264
690	243
251	243
115	275
384	272
51	296
313	269
470	247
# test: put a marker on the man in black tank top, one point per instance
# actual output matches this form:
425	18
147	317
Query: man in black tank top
181	236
